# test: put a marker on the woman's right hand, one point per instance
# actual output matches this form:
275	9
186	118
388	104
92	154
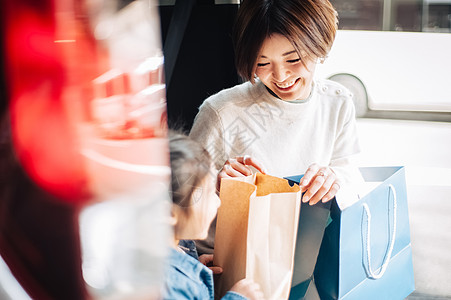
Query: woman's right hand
249	289
239	167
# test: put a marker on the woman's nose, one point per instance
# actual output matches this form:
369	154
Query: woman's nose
280	73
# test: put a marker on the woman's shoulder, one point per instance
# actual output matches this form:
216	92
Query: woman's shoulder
333	93
232	97
332	89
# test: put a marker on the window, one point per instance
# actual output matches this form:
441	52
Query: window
394	55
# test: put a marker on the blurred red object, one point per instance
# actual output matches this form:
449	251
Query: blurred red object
87	117
130	105
51	60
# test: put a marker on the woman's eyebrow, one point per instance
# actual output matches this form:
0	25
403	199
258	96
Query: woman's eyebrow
289	52
285	54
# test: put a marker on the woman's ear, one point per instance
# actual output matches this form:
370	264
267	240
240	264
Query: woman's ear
321	60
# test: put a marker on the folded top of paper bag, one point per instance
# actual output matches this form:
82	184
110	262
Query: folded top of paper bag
267	184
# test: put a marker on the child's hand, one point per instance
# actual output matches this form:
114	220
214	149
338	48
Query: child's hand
249	289
207	260
320	184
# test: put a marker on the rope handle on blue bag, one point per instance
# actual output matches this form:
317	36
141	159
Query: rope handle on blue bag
371	274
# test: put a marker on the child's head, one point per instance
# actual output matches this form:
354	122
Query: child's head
195	202
309	25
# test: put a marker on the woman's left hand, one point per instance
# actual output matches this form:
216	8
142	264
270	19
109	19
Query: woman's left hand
319	184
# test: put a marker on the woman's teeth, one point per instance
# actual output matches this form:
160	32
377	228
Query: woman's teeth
285	85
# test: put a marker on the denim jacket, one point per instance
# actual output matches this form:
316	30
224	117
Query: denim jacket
187	278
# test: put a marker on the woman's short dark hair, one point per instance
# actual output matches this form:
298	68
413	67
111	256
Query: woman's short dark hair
190	164
310	26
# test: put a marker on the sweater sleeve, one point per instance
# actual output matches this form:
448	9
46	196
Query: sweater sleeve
207	130
346	146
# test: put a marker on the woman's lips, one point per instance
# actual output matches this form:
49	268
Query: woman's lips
285	86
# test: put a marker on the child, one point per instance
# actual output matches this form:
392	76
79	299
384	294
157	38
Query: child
195	204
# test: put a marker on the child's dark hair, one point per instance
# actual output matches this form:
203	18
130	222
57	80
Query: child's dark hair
190	163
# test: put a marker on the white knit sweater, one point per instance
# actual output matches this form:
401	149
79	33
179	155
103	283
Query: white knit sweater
286	137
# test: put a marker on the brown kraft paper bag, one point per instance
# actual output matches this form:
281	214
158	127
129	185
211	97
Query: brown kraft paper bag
256	233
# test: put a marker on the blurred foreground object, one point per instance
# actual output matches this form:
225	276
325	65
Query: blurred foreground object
10	289
39	238
87	111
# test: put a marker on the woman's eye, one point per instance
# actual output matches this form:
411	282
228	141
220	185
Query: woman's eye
262	64
294	60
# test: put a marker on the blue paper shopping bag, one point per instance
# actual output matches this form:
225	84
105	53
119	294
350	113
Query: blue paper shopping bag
366	251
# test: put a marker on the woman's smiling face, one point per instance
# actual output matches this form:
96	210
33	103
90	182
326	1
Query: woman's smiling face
281	69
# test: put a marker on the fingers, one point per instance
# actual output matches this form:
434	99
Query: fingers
205	259
240	166
318	189
226	172
308	176
320	184
233	168
332	192
216	270
237	166
251	161
249	289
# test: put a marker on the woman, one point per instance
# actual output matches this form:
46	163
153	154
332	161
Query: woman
282	120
